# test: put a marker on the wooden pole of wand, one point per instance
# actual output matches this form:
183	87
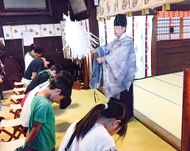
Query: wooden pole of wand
185	136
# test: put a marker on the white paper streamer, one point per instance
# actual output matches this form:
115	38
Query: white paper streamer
77	38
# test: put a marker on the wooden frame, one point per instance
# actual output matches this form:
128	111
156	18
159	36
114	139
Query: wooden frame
78	6
18	129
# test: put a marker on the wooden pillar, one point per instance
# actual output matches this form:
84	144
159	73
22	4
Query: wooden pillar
154	49
185	139
85	73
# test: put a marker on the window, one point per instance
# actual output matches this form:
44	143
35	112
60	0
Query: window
25	7
173	25
24	4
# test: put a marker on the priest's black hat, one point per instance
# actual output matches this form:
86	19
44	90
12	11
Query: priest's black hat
120	20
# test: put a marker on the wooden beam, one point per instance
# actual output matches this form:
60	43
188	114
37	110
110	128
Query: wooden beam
185	139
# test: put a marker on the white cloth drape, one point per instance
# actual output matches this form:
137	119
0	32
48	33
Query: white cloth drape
41	30
101	29
107	8
139	45
149	42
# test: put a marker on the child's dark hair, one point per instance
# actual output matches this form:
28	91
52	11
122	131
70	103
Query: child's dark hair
56	67
113	110
38	50
51	62
63	81
32	46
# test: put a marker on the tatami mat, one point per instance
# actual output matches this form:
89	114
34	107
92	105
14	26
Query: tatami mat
138	138
175	79
160	99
